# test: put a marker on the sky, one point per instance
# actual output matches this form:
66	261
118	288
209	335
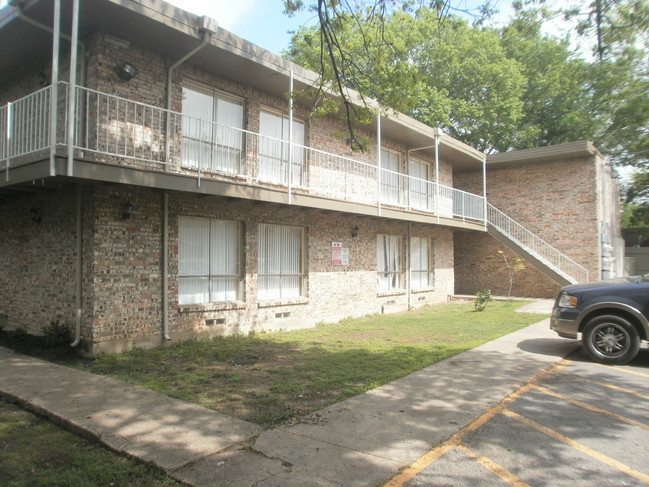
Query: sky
263	22
258	21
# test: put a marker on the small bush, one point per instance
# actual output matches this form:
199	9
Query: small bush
482	298
56	334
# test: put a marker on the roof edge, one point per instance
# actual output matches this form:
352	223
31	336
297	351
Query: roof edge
579	148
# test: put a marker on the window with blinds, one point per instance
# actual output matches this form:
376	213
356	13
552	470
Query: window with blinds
212	124
209	260
389	262
391	178
421	263
274	149
281	262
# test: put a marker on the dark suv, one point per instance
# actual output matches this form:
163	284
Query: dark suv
612	317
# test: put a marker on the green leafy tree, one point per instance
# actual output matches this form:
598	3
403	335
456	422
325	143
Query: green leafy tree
441	71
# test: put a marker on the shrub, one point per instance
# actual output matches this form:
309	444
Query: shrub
482	298
57	333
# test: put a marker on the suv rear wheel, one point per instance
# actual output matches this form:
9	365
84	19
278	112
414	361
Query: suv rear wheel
610	339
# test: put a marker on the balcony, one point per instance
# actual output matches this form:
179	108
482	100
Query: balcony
114	131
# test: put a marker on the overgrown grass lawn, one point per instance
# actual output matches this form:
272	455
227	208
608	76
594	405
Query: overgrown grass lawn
278	377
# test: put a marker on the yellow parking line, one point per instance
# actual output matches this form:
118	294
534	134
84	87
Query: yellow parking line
412	470
504	474
611	386
625	370
611	462
591	407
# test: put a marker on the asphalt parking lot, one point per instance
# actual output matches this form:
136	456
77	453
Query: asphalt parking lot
579	424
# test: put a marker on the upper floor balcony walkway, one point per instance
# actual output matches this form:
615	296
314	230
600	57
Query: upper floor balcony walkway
119	140
114	131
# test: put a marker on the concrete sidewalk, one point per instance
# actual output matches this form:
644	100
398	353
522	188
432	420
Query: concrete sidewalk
362	441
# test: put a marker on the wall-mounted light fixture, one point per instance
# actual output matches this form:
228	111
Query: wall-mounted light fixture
127	212
126	71
355	231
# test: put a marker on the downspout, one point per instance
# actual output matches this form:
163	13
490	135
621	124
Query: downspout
79	270
207	30
409	284
165	265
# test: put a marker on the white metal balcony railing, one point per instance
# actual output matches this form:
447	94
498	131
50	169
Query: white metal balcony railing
115	129
110	126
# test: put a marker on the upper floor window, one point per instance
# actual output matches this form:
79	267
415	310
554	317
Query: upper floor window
212	124
389	262
392	181
274	149
209	260
281	262
421	190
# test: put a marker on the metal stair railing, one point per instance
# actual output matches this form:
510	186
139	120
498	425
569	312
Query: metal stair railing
535	245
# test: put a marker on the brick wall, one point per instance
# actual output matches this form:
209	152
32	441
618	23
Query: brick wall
37	238
122	266
557	200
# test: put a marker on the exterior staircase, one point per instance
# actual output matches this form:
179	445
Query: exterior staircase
551	262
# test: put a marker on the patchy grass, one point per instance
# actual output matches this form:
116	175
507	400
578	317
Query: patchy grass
275	378
36	453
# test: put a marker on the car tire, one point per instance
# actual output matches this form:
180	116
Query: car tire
611	339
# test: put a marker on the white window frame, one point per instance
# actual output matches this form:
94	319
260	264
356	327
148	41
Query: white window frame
210	267
281	268
389	262
274	148
421	189
392	178
213	140
421	263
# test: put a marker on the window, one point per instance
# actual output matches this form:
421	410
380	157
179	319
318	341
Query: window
391	179
389	263
212	126
274	149
420	189
281	267
209	260
421	263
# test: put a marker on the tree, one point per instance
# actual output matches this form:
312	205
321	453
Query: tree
341	67
441	71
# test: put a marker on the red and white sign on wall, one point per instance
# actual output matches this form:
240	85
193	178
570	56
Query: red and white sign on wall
339	254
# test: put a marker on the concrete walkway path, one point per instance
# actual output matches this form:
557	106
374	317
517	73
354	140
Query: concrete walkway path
362	441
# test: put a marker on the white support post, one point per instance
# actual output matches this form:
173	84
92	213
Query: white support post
54	92
484	191
378	162
290	140
72	98
437	176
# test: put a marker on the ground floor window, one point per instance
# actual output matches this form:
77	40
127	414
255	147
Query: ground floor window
281	261
209	260
389	262
421	263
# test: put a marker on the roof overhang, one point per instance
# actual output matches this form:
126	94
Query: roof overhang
571	150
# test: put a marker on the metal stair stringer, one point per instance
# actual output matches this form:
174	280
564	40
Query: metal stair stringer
544	257
539	263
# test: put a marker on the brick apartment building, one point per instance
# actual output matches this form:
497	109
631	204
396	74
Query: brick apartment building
167	188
